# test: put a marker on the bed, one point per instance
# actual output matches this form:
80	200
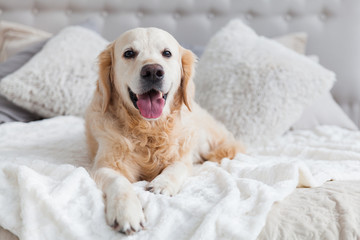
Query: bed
300	177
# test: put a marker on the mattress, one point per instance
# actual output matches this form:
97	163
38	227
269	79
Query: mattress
304	185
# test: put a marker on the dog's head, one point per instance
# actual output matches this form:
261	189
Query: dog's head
149	70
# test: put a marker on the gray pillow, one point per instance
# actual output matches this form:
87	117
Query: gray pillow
16	61
9	111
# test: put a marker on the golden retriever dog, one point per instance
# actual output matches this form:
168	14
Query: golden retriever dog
143	123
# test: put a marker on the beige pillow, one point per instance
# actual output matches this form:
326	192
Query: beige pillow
14	37
295	41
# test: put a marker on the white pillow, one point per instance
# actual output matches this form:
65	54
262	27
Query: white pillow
324	111
60	79
255	86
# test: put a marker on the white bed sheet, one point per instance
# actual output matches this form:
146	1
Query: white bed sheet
46	193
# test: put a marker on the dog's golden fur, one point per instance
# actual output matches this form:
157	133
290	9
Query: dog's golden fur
119	138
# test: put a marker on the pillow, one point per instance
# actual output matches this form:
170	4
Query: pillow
295	41
324	111
255	86
60	79
19	59
8	110
15	37
312	116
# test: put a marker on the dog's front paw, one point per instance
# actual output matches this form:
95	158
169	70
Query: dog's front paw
163	185
124	213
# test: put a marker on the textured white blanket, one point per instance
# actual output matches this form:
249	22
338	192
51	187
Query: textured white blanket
46	193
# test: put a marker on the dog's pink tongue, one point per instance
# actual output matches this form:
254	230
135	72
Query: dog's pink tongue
151	104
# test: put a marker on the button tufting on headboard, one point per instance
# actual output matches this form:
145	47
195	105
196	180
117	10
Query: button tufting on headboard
104	14
35	11
249	15
288	16
68	12
176	15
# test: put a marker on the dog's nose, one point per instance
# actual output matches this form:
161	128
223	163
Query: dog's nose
152	72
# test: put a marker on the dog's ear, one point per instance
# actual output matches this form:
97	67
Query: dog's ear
106	61
188	60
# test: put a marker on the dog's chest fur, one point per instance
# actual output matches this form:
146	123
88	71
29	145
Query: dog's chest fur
156	155
155	147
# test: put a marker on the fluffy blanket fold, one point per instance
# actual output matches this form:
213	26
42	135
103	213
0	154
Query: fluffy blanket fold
46	192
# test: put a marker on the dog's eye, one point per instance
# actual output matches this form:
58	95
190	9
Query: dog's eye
130	54
166	53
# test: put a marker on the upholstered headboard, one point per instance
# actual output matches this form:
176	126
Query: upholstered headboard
332	25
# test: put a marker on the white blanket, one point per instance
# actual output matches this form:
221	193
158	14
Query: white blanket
46	193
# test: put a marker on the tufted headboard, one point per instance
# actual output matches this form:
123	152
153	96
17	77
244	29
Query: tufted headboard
332	26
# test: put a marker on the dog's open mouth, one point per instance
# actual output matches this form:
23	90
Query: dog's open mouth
150	104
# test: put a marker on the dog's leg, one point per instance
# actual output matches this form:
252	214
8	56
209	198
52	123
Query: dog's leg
220	142
172	177
223	149
123	208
